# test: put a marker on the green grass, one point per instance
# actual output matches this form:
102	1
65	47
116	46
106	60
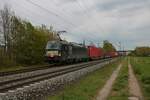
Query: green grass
5	69
141	66
19	67
120	87
87	87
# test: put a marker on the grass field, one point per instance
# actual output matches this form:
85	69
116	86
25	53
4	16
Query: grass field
120	87
87	87
141	66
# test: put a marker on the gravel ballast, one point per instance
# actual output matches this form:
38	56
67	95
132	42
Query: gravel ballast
39	90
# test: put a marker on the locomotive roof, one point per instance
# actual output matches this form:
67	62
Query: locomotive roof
57	41
65	42
76	44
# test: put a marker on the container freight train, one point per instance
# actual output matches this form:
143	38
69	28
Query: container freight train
62	51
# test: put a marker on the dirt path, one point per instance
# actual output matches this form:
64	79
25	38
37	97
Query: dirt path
134	88
104	92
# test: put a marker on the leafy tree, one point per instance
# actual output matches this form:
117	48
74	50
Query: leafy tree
142	51
108	47
31	44
24	43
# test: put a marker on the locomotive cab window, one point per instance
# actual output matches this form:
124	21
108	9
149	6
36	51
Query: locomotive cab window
53	46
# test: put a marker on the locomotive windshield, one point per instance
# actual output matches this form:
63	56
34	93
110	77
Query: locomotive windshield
53	46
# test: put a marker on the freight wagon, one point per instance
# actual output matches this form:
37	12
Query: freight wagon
111	54
95	52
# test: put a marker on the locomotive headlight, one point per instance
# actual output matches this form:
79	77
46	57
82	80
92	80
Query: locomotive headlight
52	53
59	54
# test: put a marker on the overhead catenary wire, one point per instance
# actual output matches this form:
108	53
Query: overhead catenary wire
51	12
66	13
80	6
36	12
119	46
86	13
69	14
85	9
29	11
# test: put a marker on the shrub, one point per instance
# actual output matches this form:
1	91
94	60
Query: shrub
145	79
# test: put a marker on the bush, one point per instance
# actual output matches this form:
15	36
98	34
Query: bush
5	61
147	88
137	71
145	79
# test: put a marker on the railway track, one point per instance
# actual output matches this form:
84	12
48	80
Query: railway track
14	81
31	68
26	70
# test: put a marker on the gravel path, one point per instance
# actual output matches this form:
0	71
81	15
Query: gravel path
134	88
104	92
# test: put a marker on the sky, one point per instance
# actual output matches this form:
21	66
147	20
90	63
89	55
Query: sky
125	21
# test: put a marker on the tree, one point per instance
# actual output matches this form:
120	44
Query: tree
23	42
30	42
108	47
142	51
1	34
52	34
5	15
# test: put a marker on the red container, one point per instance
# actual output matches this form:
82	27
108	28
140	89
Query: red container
111	54
95	53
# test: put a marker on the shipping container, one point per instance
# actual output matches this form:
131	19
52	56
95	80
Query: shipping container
95	52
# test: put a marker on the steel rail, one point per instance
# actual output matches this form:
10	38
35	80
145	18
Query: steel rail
13	84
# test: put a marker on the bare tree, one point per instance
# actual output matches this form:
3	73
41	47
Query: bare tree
1	34
5	15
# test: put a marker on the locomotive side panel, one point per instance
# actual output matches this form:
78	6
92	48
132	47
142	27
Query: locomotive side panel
79	52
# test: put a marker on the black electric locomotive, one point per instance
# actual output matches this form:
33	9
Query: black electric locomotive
63	51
